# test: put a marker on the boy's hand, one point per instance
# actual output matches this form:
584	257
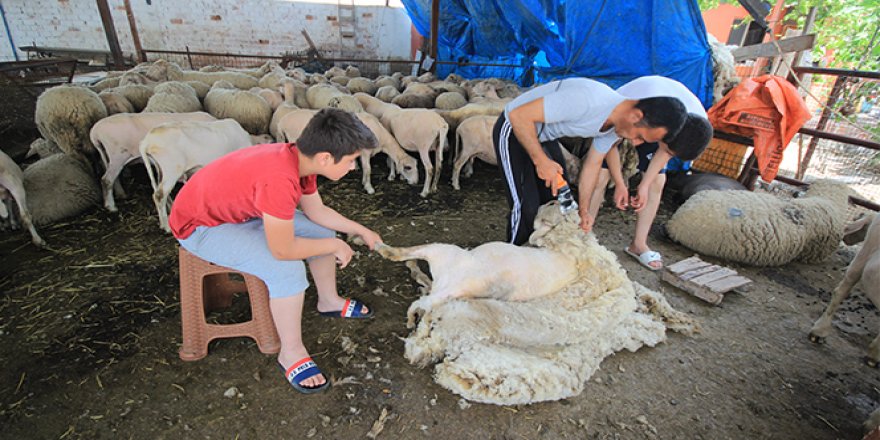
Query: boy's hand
639	200
621	197
342	253
586	218
371	239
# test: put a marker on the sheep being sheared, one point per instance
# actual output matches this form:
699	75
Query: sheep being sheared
513	324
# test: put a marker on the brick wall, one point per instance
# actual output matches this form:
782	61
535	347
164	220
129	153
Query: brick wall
260	27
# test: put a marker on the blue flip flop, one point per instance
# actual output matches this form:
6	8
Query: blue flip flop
351	309
302	370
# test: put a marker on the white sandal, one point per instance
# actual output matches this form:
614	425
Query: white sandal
646	258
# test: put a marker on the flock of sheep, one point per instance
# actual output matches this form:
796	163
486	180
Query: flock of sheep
176	121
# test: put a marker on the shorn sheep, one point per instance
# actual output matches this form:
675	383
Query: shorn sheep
12	187
418	130
865	267
539	330
176	148
117	137
762	229
293	123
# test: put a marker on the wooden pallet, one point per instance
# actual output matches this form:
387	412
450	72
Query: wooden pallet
704	280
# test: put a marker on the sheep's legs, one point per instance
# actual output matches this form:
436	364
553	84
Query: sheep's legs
429	172
108	180
366	170
822	327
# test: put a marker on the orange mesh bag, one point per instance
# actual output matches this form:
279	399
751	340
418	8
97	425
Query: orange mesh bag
769	110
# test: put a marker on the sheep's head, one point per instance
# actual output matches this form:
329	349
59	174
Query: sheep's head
553	229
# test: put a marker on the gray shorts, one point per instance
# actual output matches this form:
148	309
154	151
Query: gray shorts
243	247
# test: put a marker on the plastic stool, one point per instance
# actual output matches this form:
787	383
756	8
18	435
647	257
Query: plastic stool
206	286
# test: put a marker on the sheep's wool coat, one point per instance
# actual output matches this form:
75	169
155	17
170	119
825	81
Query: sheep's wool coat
509	353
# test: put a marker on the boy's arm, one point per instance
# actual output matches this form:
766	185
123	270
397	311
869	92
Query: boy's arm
522	120
586	184
661	157
315	209
621	193
285	245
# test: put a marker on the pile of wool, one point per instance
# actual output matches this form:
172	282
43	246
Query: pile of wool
508	353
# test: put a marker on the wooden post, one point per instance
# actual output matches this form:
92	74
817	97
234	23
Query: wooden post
110	31
435	30
775	21
142	56
189	58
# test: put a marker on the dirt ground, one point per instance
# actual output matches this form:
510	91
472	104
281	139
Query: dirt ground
89	332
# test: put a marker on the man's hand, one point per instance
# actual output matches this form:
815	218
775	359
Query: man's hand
342	253
547	170
586	218
621	197
640	200
371	238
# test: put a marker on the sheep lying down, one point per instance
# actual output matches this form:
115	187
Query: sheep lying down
511	325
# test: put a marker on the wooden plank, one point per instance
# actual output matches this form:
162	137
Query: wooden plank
725	284
722	272
686	265
793	44
707	295
695	273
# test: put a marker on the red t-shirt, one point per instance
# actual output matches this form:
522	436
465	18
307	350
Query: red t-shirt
240	186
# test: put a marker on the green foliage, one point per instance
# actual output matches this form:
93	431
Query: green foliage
849	28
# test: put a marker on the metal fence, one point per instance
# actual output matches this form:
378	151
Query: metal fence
841	141
311	62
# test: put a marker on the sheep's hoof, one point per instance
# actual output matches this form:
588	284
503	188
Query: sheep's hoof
387	252
870	362
816	339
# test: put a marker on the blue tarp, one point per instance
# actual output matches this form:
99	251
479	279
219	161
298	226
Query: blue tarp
612	41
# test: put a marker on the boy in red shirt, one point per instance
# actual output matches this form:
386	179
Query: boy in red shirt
258	210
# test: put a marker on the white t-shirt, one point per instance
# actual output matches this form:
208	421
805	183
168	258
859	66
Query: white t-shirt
652	87
575	107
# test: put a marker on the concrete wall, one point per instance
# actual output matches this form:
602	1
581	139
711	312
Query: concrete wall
259	27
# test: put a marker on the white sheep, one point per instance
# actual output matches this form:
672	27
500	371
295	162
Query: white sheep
324	95
138	95
398	159
361	84
272	97
117	138
865	267
488	107
538	331
295	121
239	80
115	102
286	107
473	138
388	81
761	229
59	187
173	97
251	111
176	148
417	130
12	186
387	93
416	95
450	101
65	114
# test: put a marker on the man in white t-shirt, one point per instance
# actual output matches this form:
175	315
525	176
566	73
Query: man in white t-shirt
529	155
691	140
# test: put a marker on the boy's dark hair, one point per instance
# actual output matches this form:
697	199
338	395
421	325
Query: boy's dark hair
663	111
693	137
337	132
